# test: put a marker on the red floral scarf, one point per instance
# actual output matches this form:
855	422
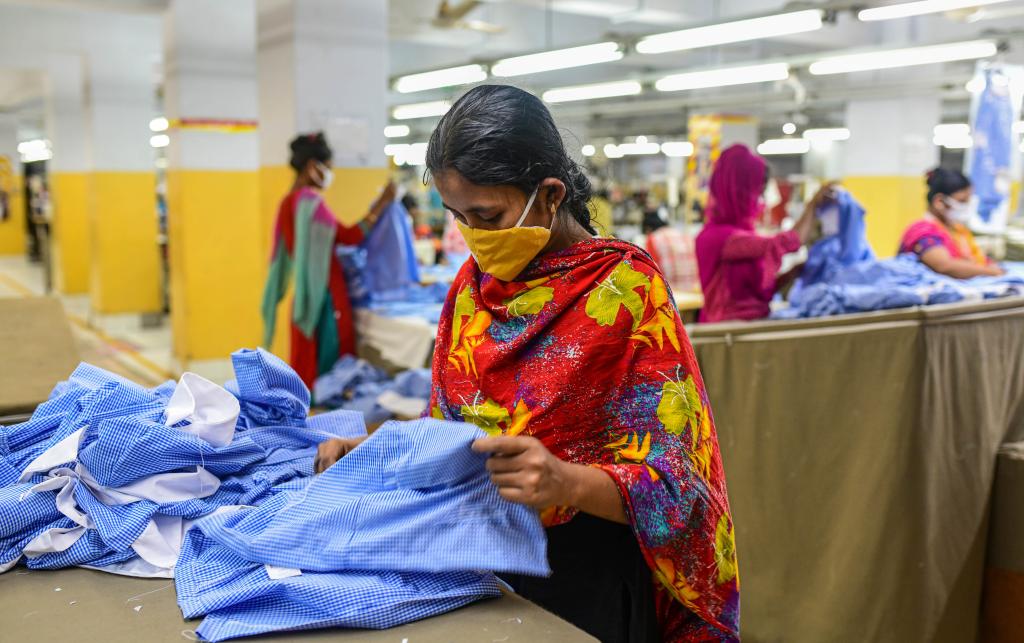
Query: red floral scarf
588	354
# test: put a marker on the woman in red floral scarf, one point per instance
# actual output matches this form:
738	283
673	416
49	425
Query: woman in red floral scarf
569	352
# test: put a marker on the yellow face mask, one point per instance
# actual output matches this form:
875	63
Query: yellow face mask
504	253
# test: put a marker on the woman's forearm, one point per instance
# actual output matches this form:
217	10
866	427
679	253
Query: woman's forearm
594	492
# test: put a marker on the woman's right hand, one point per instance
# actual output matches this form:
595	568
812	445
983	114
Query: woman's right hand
331	451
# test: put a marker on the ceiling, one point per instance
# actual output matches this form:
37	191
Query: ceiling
527	26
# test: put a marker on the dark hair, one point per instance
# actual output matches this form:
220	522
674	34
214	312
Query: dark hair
502	135
653	221
309	146
943	180
409	202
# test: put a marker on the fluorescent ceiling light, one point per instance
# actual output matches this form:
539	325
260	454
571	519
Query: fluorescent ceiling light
953	142
639	148
158	124
724	77
421	110
920	8
396	131
612	151
827	134
602	52
677	148
737	31
888	59
951	130
784	146
588	150
789	128
160	140
589	92
407	154
450	77
35	150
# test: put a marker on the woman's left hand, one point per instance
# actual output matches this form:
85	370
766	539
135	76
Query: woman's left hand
526	472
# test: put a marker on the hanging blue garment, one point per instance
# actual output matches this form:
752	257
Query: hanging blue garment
397	530
847	245
994	145
390	257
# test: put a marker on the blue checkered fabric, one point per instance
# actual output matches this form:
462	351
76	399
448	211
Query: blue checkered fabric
413	497
269	391
125	441
240	599
396	531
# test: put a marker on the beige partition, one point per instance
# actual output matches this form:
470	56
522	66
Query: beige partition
860	453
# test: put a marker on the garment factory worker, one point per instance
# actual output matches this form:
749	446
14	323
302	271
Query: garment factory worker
567	350
941	239
672	249
303	255
738	267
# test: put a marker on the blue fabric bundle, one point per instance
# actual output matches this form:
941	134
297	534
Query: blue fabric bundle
848	246
124	441
354	384
896	283
397	530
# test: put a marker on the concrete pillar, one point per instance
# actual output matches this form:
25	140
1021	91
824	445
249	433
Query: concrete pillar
323	65
12	208
216	239
66	127
889	150
125	275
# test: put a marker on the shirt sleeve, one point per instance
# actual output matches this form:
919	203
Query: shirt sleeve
749	245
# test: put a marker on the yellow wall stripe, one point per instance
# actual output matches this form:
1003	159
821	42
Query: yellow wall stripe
70	231
12	228
892	203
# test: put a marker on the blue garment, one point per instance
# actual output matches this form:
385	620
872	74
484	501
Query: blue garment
390	258
348	372
355	384
396	531
125	440
994	145
894	283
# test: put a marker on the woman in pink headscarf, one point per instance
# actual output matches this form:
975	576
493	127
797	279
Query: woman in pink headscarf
738	267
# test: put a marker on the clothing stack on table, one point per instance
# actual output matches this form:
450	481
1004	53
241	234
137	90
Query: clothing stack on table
356	385
214	487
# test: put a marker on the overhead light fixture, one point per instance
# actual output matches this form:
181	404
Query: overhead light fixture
908	57
827	134
158	124
160	140
781	24
612	151
784	146
602	52
590	92
946	130
396	131
677	148
638	148
421	110
919	8
450	77
406	153
35	150
724	77
588	150
789	128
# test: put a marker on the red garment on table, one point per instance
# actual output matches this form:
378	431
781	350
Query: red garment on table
588	354
304	349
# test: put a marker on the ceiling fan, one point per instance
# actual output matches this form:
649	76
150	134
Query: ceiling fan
451	16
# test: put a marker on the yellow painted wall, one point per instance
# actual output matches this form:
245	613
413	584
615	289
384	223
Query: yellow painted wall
124	261
891	203
70	231
217	261
12	229
349	197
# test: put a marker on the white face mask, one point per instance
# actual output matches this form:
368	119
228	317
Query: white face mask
326	176
958	211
